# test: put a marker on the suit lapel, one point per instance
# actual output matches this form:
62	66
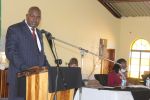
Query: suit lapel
26	31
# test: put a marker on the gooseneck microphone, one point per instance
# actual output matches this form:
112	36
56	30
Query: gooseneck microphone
48	36
46	32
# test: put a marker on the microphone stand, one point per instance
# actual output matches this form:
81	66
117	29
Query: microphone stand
58	62
82	51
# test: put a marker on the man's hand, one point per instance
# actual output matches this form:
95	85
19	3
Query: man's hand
34	68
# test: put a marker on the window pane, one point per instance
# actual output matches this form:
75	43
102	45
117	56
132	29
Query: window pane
145	58
134	67
134	71
135	54
141	44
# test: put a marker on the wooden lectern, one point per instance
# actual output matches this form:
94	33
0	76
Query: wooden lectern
39	83
3	84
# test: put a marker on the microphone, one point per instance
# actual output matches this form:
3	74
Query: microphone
48	36
46	32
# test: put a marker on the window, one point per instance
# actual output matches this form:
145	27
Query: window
139	58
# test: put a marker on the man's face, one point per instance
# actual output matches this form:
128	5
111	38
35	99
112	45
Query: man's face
33	18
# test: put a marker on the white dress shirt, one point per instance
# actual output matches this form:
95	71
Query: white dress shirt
37	38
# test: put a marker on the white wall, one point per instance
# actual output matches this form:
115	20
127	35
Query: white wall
79	22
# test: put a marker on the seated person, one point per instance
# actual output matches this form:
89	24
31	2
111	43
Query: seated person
114	77
123	64
73	62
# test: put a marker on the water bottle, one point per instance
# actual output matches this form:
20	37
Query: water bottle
123	83
148	82
123	80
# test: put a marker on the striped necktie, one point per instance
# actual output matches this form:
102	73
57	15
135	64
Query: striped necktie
33	34
34	37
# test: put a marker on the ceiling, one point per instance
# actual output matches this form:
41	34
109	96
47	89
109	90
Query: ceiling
127	8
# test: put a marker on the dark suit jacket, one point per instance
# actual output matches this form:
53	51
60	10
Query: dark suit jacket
21	50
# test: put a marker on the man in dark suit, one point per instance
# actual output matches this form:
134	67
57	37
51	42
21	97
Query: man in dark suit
24	48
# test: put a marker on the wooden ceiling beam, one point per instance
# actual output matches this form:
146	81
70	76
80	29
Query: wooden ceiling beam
110	8
110	5
126	0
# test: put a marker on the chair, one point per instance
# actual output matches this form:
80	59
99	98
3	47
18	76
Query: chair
144	77
102	78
